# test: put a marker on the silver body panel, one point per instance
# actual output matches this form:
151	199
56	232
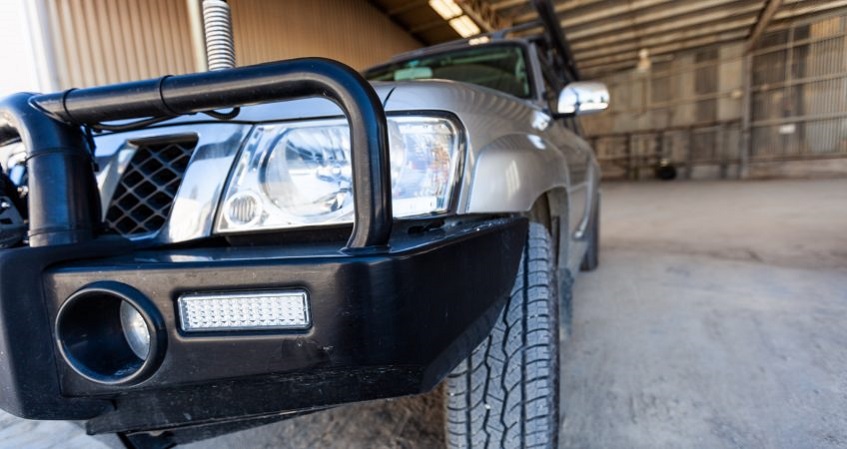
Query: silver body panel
195	206
515	153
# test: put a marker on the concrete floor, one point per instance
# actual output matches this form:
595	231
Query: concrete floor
716	320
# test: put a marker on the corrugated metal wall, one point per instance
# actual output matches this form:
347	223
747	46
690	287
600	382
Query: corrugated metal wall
689	110
351	31
799	92
107	41
686	110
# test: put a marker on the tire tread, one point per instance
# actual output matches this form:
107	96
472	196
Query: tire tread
506	394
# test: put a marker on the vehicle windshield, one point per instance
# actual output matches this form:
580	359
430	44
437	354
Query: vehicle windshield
500	67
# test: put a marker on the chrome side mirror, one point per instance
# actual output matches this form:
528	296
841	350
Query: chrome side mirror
583	98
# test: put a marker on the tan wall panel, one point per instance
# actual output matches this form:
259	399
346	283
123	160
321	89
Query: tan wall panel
107	41
351	31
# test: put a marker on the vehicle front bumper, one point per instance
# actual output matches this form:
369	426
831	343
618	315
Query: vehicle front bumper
383	323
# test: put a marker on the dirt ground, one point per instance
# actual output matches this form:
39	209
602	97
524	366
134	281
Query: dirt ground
716	320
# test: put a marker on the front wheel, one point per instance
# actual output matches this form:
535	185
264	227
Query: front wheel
506	394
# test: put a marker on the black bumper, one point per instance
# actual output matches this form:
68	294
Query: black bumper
383	324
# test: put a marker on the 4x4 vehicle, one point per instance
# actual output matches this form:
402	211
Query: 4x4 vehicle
169	276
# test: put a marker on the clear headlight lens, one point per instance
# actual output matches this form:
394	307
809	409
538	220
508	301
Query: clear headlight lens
293	175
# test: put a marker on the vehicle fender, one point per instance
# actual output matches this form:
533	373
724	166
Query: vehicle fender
511	172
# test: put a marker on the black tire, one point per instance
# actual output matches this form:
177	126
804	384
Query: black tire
666	172
506	394
592	254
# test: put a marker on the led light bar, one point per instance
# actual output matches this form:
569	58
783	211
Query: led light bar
261	310
465	26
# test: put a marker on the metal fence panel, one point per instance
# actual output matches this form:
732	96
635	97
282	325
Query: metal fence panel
689	109
799	92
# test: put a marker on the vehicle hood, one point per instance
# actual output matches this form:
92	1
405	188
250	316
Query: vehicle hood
404	96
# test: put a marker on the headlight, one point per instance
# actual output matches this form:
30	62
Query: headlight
292	175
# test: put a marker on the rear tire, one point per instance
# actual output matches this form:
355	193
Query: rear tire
506	394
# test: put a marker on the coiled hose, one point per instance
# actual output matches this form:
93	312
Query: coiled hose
220	50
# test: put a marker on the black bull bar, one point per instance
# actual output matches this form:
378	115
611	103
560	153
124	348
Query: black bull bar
395	311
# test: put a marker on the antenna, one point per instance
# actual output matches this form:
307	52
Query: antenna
217	25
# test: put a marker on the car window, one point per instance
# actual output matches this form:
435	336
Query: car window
500	67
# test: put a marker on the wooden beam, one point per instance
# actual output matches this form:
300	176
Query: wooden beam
406	7
428	26
805	7
577	29
596	51
664	49
667	27
560	7
600	13
671	12
612	12
481	12
508	4
600	71
769	10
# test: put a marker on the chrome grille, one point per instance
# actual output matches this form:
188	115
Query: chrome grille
146	191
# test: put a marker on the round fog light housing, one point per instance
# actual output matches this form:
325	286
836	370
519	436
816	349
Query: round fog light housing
110	333
135	330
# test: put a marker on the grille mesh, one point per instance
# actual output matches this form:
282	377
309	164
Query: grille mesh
146	191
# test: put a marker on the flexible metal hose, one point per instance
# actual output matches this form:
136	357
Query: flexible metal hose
217	24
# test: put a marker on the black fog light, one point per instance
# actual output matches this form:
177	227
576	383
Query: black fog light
110	333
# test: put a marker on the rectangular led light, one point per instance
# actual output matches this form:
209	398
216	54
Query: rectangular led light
465	26
447	9
259	310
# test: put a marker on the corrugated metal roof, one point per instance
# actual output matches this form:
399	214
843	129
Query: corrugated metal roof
416	17
606	35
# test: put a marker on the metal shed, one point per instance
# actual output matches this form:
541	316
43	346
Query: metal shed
718	88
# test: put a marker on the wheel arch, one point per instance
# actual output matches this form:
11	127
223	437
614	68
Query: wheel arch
522	173
551	208
512	172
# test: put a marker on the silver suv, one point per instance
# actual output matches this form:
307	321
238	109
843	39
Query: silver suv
192	255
